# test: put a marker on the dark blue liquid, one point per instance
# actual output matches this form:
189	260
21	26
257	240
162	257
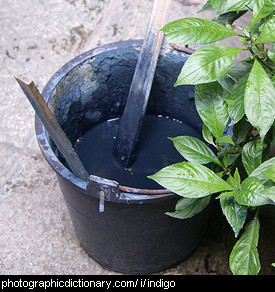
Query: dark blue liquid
153	152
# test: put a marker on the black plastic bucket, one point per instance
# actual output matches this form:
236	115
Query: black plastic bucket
133	234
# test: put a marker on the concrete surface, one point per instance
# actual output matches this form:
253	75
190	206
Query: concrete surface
36	234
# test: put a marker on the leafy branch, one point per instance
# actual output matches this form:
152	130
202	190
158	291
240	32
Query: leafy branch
239	96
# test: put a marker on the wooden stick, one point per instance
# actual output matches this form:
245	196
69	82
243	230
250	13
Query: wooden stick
131	120
48	119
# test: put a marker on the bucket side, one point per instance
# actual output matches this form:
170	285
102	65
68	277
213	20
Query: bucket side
134	239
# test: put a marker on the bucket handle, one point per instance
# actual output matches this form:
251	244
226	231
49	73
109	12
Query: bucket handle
109	189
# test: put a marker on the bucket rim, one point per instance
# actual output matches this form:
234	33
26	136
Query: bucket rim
44	145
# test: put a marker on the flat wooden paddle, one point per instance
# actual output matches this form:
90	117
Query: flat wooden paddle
48	119
134	111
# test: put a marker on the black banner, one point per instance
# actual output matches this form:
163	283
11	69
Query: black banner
108	282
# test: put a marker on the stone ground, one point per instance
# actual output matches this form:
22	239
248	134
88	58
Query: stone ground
37	38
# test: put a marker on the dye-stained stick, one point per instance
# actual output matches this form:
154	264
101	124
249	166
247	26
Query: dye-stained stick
134	111
48	119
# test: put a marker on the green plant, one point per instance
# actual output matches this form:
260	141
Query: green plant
239	171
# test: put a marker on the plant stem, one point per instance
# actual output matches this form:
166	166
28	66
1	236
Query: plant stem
248	8
257	212
260	60
264	64
247	135
237	151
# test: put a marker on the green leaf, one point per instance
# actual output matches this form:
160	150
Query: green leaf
207	136
244	258
229	17
193	31
227	5
239	69
268	32
229	159
190	180
250	3
211	107
270	172
237	178
225	139
260	170
194	150
270	194
235	101
261	9
225	195
252	155
187	208
234	213
207	6
226	82
226	160
271	55
259	100
250	193
234	181
231	181
207	64
240	130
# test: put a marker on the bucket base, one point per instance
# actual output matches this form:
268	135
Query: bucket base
142	272
134	239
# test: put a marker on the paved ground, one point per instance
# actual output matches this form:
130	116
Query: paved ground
37	38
